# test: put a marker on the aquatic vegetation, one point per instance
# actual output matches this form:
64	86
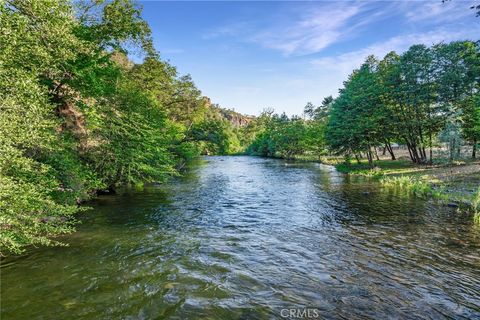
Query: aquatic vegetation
411	184
476	206
476	201
476	217
425	187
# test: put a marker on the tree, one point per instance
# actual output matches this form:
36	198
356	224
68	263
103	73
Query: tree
404	98
470	119
356	122
35	202
77	116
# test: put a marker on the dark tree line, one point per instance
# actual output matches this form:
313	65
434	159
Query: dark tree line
408	99
421	99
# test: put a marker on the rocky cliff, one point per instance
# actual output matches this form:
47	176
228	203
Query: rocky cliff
235	118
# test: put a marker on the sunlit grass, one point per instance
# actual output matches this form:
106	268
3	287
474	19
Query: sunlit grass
430	188
476	218
410	184
476	206
450	183
476	200
422	186
385	166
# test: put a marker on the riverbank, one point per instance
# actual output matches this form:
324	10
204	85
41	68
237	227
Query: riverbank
456	184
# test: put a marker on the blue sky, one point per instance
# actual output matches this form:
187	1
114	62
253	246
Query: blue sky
248	55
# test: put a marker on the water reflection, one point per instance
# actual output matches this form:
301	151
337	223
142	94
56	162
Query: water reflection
242	238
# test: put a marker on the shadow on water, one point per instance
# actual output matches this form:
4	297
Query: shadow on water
244	237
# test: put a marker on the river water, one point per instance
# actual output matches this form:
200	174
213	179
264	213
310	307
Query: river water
245	238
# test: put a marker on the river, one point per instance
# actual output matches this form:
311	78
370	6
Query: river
247	237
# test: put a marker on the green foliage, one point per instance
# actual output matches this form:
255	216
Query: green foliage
470	120
217	136
408	99
36	202
476	217
410	184
285	137
76	116
451	136
356	115
131	140
476	201
30	215
381	167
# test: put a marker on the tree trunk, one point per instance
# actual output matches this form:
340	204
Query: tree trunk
415	152
410	152
357	158
370	160
421	148
370	157
431	152
413	147
452	150
376	153
388	146
474	149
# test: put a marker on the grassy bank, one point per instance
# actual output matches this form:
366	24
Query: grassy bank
455	184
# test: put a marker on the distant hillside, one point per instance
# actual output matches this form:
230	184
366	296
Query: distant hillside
236	119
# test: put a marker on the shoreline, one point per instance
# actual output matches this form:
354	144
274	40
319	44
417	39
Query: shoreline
454	184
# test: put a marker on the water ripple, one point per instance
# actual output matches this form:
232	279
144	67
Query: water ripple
242	238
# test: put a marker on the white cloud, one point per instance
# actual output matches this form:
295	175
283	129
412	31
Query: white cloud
288	82
312	32
342	65
307	29
351	60
437	11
